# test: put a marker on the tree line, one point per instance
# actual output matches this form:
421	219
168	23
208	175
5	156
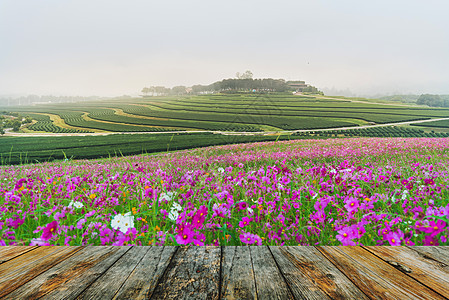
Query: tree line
242	83
433	100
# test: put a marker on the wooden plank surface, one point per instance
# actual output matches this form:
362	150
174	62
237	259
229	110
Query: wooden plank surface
269	281
106	286
22	269
143	280
440	254
69	278
431	273
311	276
373	276
224	272
237	274
8	253
194	273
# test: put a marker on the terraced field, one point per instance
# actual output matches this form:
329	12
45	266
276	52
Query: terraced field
236	112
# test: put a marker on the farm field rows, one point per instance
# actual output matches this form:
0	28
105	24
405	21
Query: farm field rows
19	150
236	112
364	191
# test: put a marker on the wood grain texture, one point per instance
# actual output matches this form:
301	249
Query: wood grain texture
69	278
440	254
310	275
20	270
431	273
269	281
143	280
110	282
237	274
8	253
194	273
376	278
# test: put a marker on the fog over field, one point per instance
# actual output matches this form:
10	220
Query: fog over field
110	48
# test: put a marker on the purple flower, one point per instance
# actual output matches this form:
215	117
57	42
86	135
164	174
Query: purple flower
242	205
434	228
249	238
346	235
394	239
245	221
185	235
199	239
80	223
49	230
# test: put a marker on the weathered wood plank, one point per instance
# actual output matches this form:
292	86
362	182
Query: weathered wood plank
437	253
194	273
237	275
69	278
110	282
310	275
269	281
373	276
431	273
9	252
142	281
22	269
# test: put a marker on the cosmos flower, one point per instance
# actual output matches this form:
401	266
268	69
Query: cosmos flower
123	222
76	204
50	230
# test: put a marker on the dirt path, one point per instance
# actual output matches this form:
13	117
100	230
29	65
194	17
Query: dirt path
10	133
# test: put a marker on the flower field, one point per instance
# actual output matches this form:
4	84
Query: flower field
366	191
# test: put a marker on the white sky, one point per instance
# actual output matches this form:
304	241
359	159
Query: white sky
111	47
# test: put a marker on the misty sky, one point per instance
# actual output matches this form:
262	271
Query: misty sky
111	47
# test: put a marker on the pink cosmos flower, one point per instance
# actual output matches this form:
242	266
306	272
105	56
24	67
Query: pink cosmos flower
199	239
247	238
242	205
434	228
49	230
352	205
245	221
394	239
185	236
345	236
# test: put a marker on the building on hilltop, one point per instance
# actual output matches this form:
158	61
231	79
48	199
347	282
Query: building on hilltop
299	86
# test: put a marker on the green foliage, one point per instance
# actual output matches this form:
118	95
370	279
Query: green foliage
14	150
16	125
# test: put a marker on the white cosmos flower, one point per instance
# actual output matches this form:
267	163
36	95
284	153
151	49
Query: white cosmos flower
168	196
221	170
123	222
76	204
174	211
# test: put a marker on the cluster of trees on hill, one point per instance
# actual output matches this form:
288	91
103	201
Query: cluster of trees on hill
14	122
433	100
244	82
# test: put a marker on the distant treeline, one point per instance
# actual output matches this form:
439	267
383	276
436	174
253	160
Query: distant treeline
424	99
433	100
230	86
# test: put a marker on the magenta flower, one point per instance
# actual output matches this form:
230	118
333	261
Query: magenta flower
352	205
49	230
346	235
434	228
249	238
245	221
199	218
394	239
185	236
242	205
199	239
